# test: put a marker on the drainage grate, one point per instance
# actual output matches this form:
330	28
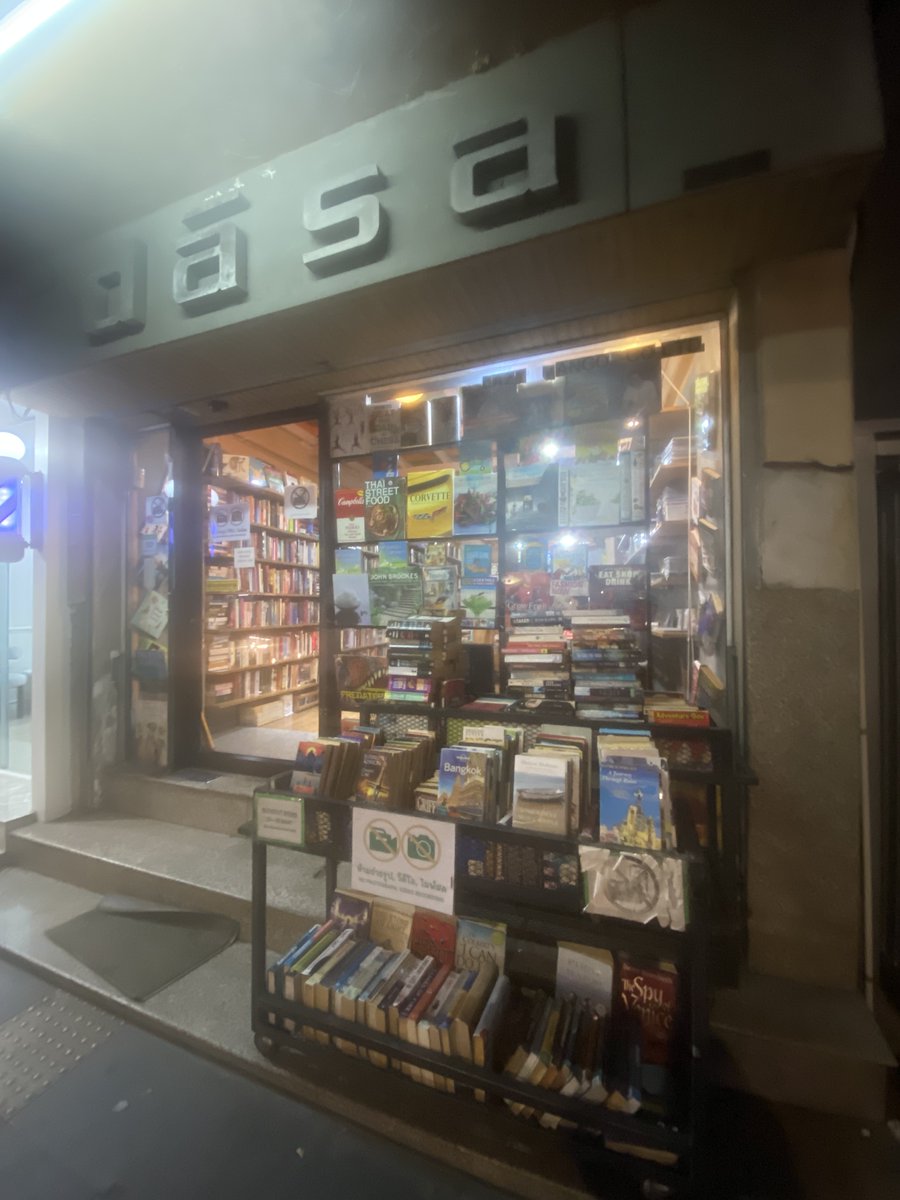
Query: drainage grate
42	1042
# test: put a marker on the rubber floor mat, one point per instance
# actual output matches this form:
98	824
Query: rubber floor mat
140	947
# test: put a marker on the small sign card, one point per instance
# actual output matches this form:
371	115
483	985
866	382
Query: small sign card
301	501
404	857
244	556
229	523
280	819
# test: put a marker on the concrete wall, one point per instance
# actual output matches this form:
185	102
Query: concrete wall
801	620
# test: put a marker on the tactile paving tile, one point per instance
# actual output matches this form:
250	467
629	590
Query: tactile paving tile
44	1041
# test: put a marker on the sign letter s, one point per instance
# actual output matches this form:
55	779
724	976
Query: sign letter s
349	219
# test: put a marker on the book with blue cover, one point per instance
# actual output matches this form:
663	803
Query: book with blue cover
467	783
631	803
477	558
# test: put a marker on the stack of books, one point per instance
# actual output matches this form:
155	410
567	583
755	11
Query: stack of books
606	662
423	653
536	658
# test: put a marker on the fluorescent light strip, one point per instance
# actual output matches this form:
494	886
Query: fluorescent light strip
25	18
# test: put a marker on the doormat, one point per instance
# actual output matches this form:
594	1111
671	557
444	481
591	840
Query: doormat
140	947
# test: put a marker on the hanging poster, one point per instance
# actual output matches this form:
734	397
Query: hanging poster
404	857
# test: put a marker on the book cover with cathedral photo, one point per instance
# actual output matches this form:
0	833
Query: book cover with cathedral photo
631	804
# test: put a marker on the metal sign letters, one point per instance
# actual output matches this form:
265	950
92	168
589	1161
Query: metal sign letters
499	174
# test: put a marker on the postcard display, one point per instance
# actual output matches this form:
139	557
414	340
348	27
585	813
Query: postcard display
261	593
516	511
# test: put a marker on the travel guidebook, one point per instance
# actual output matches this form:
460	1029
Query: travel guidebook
429	503
630	803
464	783
540	799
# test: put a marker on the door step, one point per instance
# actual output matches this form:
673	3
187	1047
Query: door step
791	1043
220	804
174	864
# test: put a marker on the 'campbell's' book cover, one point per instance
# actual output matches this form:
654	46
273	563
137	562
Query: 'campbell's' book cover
385	509
349	514
429	503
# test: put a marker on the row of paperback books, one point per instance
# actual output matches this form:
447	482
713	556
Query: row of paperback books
603	1031
490	778
606	1034
425	979
261	681
224	653
361	766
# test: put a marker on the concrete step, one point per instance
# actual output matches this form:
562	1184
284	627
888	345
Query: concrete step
791	1043
174	864
219	804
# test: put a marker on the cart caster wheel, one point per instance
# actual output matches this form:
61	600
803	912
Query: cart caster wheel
652	1189
265	1045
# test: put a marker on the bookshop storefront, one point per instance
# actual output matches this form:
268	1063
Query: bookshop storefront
457	455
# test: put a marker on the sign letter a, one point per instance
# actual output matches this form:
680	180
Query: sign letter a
506	172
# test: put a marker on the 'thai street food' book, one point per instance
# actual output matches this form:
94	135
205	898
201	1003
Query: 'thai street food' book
429	503
385	509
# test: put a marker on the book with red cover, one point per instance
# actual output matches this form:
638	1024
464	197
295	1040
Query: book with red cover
435	935
647	1004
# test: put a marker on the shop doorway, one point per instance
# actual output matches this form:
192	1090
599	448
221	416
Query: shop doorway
261	596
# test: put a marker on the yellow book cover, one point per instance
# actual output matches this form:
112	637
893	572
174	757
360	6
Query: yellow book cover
429	503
